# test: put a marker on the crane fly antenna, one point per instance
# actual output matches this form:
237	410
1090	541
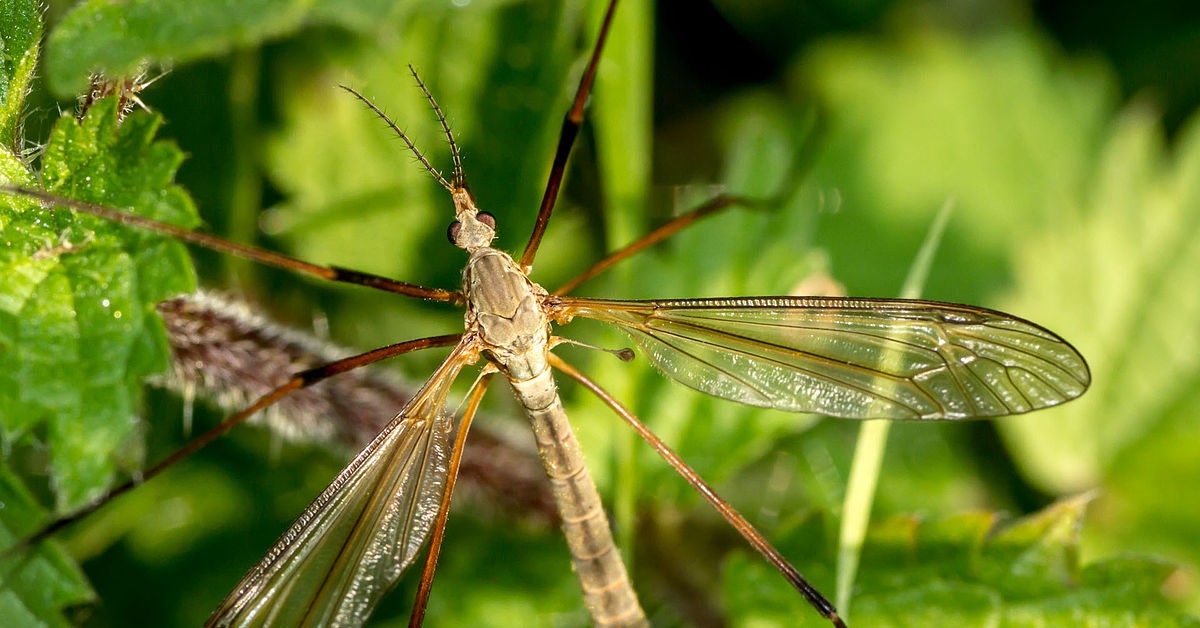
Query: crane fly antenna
458	179
411	146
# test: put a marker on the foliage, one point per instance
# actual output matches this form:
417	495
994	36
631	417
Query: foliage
1071	211
971	569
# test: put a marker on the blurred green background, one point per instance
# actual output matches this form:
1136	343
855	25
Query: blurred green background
1063	133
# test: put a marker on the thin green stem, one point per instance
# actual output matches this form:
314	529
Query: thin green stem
622	129
245	196
872	440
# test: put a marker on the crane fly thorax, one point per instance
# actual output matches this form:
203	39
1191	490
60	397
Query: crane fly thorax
505	308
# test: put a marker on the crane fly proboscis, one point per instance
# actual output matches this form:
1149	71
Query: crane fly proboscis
843	357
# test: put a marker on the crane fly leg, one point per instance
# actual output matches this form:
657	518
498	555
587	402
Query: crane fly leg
735	519
572	122
263	256
417	617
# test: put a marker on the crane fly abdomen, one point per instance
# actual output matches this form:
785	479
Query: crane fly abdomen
505	309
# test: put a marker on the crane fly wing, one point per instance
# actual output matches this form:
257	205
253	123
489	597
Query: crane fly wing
851	358
352	543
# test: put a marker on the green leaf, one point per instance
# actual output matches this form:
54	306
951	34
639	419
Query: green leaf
80	333
35	585
995	121
965	570
114	39
79	295
1125	250
1150	488
117	39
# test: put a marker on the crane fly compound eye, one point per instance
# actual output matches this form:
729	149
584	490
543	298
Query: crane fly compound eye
452	231
486	218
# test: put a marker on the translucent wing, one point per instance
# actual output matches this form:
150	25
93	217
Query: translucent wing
851	358
353	542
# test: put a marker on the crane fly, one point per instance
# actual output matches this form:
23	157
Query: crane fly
844	357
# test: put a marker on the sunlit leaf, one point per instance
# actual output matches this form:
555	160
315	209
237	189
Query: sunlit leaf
1132	245
79	332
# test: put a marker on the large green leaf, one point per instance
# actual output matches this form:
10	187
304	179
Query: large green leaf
1133	240
116	39
971	569
79	321
1128	258
76	310
80	331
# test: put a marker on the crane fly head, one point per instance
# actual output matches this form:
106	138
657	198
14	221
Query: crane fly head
472	229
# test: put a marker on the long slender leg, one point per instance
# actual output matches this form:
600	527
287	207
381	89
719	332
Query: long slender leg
570	129
675	225
300	380
439	525
270	258
739	523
